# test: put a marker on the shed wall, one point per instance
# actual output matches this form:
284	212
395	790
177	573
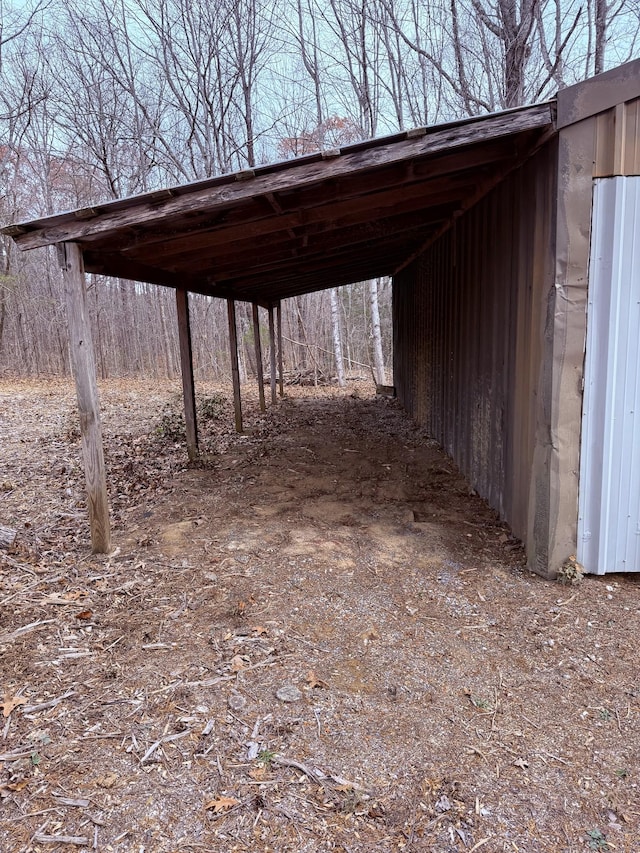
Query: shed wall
609	493
595	144
469	324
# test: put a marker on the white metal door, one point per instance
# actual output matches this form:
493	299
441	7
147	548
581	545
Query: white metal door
609	501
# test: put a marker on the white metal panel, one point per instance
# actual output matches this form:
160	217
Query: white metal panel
609	498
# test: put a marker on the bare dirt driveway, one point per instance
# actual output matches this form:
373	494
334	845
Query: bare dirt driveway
315	640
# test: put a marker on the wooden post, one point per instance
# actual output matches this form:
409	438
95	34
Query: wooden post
235	373
258	346
186	365
280	370
272	355
84	372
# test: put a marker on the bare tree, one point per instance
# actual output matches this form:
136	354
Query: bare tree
376	332
100	100
337	337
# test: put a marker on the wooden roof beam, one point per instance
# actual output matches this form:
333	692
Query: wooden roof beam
372	252
270	256
345	213
449	167
278	209
310	283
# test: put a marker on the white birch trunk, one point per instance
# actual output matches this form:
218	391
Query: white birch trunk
378	358
337	338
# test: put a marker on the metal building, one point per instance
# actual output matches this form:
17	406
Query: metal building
512	240
491	324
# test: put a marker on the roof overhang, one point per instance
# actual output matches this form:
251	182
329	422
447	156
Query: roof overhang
301	225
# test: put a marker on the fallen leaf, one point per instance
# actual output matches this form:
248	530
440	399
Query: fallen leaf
10	702
221	804
16	786
313	680
238	662
75	595
67	598
84	614
370	634
107	781
258	773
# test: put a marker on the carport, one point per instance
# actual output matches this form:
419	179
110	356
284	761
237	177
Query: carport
484	226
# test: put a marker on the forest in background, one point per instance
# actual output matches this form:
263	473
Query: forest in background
100	100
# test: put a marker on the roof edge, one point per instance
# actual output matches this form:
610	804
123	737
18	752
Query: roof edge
599	93
166	197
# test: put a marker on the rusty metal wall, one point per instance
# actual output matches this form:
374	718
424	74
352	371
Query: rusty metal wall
469	322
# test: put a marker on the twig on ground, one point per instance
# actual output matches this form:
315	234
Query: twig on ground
70	801
8	636
50	703
252	744
477	751
209	682
314	774
17	754
555	757
307	643
78	840
480	844
166	739
618	721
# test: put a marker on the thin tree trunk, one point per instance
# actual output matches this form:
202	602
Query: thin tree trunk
235	373
337	338
272	356
280	360
378	358
186	364
166	348
258	348
601	35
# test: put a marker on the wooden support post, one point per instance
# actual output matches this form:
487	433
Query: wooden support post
186	365
258	346
280	370
84	372
272	355
235	373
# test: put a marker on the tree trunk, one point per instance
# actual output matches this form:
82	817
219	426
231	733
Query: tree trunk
337	337
378	358
165	347
601	35
186	364
235	373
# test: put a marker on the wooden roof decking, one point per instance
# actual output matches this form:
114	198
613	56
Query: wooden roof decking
301	225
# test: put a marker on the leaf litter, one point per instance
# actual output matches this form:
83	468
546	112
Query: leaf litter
449	700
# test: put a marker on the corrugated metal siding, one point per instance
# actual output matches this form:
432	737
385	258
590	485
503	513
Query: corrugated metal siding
609	495
468	326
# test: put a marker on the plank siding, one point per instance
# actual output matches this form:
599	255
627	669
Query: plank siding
469	319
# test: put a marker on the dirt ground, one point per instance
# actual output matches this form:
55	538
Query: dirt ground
316	639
